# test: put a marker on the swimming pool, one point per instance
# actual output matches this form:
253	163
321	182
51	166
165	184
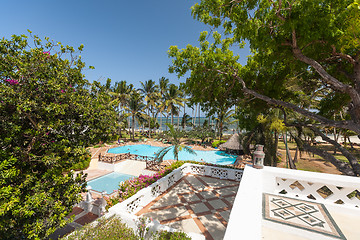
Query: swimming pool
108	182
214	157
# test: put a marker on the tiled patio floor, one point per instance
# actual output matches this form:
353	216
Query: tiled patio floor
196	204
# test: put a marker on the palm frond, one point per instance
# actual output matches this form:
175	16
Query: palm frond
189	150
159	156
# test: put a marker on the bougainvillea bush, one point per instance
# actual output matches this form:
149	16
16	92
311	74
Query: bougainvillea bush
131	186
49	114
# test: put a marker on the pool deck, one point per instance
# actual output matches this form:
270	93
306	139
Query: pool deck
133	168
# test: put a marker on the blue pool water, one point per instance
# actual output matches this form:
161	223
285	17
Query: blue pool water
214	157
108	182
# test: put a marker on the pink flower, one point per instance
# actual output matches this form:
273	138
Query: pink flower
12	81
46	52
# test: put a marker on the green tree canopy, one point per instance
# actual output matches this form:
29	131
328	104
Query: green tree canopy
306	58
49	114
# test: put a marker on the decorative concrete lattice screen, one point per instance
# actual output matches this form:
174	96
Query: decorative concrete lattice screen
146	195
319	191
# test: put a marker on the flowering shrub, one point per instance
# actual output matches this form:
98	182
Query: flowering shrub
12	81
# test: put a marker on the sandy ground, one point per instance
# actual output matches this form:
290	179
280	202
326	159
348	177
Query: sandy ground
308	162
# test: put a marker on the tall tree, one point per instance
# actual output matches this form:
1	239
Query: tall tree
164	86
151	93
173	100
224	115
135	107
121	94
321	52
49	114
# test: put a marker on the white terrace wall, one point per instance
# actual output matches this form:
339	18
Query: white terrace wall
309	186
127	209
246	214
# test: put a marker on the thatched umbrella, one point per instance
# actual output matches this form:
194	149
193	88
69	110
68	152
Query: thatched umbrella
233	144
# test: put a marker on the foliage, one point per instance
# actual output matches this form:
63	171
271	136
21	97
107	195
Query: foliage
216	143
110	228
300	63
130	187
176	146
135	107
49	114
152	95
202	133
164	235
82	165
113	228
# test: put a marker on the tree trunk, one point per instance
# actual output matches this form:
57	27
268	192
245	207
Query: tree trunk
160	122
341	166
351	144
149	124
194	114
133	127
178	123
199	115
276	140
220	130
352	160
288	155
167	117
336	139
296	155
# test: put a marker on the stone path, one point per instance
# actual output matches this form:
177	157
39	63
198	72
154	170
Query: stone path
196	204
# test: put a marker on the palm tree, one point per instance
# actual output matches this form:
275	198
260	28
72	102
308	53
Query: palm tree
151	93
186	120
182	91
173	100
177	146
121	93
164	86
224	116
135	107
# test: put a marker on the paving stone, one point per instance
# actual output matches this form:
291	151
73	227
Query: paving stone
225	215
87	218
227	191
187	225
191	197
179	215
213	226
75	211
169	213
217	204
169	199
215	182
207	194
199	207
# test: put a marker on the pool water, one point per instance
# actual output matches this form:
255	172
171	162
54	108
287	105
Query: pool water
214	157
108	182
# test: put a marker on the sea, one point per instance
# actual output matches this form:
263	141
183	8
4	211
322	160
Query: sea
229	128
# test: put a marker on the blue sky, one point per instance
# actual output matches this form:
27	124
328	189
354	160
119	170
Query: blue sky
124	40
